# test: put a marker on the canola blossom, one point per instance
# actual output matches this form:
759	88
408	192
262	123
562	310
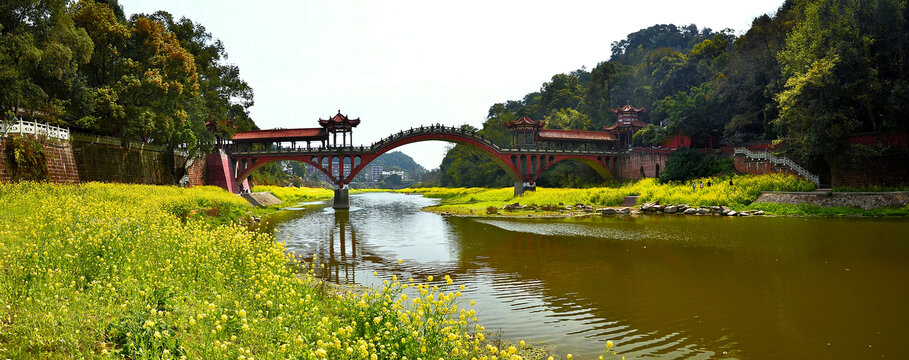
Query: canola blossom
295	194
118	271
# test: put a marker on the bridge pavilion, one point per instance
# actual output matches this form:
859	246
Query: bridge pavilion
528	133
287	139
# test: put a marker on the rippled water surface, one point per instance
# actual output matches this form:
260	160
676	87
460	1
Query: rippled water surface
659	286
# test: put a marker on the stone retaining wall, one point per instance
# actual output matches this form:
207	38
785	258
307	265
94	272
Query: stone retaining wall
80	160
641	163
867	201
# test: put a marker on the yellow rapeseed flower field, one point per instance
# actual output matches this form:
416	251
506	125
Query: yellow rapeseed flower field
295	194
119	271
744	190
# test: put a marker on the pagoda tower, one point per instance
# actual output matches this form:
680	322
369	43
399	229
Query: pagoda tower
525	131
628	122
340	124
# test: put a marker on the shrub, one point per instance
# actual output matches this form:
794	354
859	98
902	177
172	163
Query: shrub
721	166
685	164
26	158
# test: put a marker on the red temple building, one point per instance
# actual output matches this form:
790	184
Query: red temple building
627	124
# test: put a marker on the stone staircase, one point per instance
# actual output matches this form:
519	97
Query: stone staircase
778	160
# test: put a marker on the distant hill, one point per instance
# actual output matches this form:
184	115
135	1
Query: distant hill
397	159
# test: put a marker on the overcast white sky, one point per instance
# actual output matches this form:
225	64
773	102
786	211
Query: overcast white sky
399	64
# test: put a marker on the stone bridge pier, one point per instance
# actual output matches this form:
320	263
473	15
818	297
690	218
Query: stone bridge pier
342	199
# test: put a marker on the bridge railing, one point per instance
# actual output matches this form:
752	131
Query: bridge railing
433	130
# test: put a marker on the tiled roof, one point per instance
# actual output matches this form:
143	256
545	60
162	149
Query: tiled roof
305	134
627	109
524	120
575	135
339	119
633	123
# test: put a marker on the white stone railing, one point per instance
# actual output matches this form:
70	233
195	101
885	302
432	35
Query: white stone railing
778	160
33	128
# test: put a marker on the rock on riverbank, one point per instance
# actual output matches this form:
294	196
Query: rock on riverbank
684	209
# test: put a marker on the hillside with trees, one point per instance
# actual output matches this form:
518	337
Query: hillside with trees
396	160
149	78
808	77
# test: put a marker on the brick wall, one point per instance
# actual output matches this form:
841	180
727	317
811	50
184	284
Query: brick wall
61	164
629	165
4	173
879	171
113	163
196	171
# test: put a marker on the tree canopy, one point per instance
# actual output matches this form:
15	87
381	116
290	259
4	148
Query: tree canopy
149	78
808	76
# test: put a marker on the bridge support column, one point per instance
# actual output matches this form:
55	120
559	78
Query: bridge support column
521	186
342	199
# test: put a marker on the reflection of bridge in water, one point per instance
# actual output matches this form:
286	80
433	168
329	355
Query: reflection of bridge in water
534	150
345	260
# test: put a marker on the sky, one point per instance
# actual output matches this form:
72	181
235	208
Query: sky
402	64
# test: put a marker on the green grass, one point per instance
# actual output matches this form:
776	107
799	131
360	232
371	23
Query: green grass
807	209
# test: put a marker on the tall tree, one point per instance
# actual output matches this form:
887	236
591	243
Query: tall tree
226	97
744	94
599	94
40	53
831	84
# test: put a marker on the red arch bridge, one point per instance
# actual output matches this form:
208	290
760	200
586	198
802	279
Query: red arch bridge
534	150
524	165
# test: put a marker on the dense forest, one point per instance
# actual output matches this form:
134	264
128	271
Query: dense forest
808	76
149	78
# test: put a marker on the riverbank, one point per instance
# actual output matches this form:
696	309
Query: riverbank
164	272
736	193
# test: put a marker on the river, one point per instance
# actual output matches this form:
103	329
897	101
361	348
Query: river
658	286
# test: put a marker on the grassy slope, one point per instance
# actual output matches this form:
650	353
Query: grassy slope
94	270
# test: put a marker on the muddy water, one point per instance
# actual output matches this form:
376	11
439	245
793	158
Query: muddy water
658	286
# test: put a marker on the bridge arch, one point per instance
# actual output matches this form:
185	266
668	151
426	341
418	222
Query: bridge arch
488	148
